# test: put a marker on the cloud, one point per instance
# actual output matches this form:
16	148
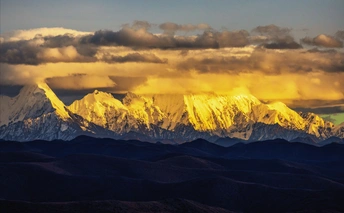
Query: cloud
171	28
63	48
35	49
81	82
65	45
214	64
283	45
293	86
232	39
33	52
58	41
332	111
64	54
141	24
20	52
19	35
125	84
325	109
316	50
274	37
22	74
127	37
184	53
267	74
323	41
134	57
140	38
68	48
272	33
266	61
340	34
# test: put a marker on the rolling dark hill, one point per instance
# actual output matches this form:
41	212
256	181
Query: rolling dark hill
110	206
106	175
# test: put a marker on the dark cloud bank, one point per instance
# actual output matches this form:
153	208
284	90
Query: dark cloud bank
137	36
289	61
134	57
274	37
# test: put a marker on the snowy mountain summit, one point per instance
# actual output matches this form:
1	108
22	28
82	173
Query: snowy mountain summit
37	113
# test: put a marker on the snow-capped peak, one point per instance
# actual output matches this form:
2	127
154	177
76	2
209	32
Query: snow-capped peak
339	130
31	102
222	115
100	108
162	116
96	102
56	103
286	116
102	97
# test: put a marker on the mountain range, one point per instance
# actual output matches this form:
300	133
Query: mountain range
37	113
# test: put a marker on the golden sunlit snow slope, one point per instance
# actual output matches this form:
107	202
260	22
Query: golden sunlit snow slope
218	114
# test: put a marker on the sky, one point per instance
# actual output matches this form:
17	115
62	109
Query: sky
317	16
290	51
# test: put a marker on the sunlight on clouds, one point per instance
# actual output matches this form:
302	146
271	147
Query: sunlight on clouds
66	54
82	82
18	35
263	87
166	78
75	60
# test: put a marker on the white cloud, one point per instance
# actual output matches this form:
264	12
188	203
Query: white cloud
18	35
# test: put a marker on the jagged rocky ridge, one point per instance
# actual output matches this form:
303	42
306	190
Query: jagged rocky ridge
37	113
